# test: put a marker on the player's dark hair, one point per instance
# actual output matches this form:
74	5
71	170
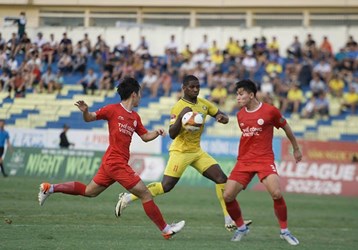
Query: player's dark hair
248	85
188	79
127	86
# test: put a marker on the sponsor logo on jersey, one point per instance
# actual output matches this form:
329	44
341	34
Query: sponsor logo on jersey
260	121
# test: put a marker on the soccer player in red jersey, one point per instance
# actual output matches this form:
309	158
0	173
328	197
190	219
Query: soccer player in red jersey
123	121
256	121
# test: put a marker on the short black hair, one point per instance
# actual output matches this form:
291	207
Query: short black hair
127	86
247	85
189	78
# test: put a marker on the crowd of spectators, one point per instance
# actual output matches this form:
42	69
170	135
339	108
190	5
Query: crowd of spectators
40	64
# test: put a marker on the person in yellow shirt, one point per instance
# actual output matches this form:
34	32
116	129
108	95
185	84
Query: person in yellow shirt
187	53
273	67
233	48
336	85
219	94
217	58
295	97
273	45
213	48
350	100
185	150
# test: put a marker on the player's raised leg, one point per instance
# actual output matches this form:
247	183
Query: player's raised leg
71	188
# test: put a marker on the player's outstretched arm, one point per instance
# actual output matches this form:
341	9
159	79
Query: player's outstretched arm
296	149
221	117
151	135
87	116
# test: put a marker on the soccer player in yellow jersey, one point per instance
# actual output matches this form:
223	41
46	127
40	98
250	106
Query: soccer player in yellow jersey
185	150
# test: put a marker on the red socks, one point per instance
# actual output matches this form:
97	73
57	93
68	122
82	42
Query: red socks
233	208
281	212
154	214
74	188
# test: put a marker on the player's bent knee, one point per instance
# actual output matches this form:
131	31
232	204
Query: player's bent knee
276	195
228	197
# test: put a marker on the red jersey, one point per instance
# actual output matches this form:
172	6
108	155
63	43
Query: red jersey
257	132
121	125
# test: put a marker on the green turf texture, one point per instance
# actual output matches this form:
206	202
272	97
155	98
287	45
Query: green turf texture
74	222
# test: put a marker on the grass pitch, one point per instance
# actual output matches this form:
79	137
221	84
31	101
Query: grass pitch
70	222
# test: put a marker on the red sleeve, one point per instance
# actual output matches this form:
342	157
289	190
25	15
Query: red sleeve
103	113
277	119
140	129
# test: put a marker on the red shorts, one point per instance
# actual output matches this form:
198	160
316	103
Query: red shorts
120	172
243	172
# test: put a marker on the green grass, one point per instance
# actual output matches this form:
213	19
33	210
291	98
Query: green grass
70	222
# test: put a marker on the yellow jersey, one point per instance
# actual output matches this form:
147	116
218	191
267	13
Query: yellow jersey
187	141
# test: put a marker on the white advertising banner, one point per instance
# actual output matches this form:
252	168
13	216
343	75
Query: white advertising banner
83	140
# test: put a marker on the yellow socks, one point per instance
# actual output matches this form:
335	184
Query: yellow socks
155	188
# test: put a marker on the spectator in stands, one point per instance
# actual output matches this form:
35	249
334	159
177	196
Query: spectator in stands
326	48
273	67
39	41
3	59
17	84
105	83
59	81
86	42
324	70
249	65
4	81
65	63
316	84
150	82
217	57
65	45
204	45
336	85
12	44
351	42
172	46
305	72
213	48
47	81
64	143
2	42
266	90
89	81
310	48
273	45
350	100
143	49
200	73
219	94
47	53
187	53
295	98
322	104
121	48
54	44
308	111
165	82
79	63
24	45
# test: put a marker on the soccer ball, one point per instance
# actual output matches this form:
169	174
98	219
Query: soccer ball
192	121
